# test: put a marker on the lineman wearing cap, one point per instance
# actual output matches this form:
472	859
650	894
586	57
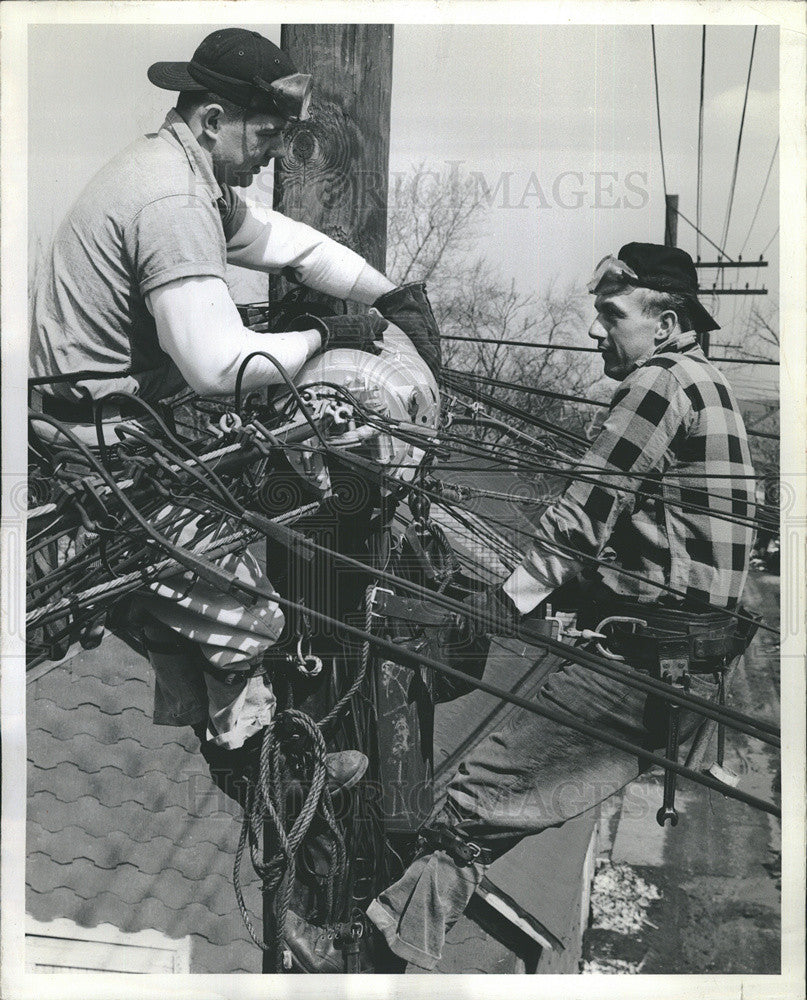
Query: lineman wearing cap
671	454
134	289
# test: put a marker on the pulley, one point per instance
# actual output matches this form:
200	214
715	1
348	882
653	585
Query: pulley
394	387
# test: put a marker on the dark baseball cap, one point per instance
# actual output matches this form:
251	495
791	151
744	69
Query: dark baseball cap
668	269
243	67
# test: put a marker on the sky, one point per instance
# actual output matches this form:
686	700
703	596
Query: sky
556	122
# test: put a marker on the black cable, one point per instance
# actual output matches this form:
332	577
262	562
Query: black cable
594	350
761	195
532	390
520	343
228	581
566	550
399	653
658	112
700	144
152	413
521	414
730	205
289	384
552	394
711	243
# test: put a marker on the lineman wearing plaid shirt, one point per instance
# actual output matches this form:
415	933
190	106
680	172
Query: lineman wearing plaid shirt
673	433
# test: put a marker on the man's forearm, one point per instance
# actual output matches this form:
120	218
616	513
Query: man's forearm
369	286
198	326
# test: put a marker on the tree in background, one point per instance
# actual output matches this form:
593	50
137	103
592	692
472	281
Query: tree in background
434	224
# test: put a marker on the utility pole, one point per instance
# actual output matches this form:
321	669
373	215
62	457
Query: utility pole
335	177
720	265
671	240
671	220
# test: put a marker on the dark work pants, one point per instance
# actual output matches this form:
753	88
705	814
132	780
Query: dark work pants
530	775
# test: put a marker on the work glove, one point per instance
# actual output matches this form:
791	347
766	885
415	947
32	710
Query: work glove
409	308
360	333
490	612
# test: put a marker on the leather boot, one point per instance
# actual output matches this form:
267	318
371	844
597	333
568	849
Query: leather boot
313	949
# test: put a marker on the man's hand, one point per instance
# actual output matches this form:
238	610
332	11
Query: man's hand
409	308
359	333
490	612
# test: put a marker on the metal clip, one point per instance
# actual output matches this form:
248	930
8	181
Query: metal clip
307	663
230	422
373	597
622	620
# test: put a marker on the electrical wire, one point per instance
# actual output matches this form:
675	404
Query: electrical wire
699	195
535	708
711	243
730	205
761	195
775	234
658	111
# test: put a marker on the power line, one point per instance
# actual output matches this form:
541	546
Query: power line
775	234
506	342
761	196
726	224
700	144
712	243
658	110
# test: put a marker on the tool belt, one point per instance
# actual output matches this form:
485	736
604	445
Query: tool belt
647	635
80	411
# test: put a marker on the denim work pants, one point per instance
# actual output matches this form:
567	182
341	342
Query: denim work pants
530	775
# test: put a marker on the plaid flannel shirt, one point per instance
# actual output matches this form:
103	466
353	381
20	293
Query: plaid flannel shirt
674	434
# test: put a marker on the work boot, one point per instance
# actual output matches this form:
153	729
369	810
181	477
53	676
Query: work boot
313	949
343	770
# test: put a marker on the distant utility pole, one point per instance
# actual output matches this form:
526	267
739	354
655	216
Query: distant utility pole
671	220
335	176
671	240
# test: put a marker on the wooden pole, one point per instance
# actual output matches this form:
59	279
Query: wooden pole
335	175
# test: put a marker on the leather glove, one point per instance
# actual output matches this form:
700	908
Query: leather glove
361	333
490	612
409	308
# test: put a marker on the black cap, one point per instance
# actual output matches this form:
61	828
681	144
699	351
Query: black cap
668	269
232	63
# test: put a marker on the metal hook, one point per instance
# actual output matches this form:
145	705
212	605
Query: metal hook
622	620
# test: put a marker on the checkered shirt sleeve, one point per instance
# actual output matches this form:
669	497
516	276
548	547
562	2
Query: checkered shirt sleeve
671	457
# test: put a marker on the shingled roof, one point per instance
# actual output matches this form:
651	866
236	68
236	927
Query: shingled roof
125	826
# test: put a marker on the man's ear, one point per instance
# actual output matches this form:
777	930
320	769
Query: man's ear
667	322
211	120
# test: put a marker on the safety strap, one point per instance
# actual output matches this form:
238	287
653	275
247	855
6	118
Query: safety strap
462	851
232	675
